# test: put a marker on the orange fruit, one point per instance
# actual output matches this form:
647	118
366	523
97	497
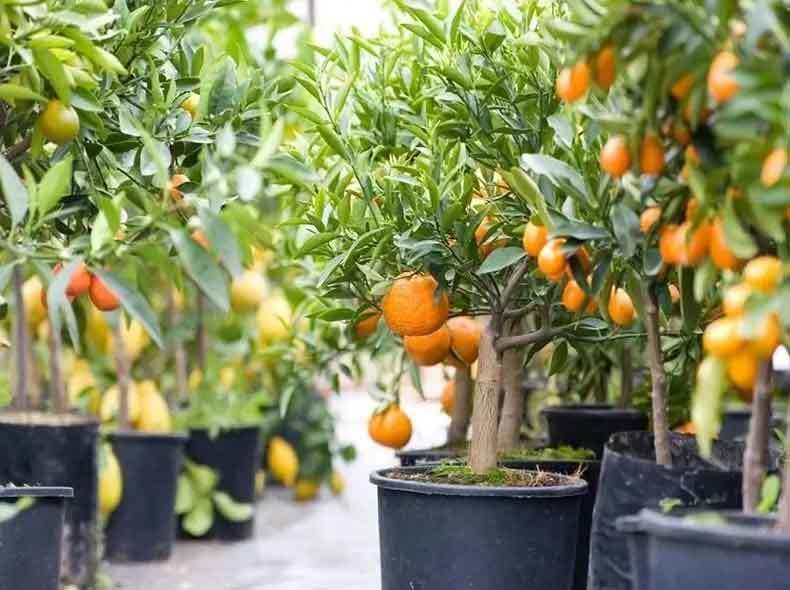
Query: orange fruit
651	155
583	258
59	123
763	273
722	337
368	325
649	218
768	336
735	299
719	251
414	307
615	156
430	349
773	167
687	428
692	207
448	397
535	237
573	297
621	308
670	244
682	86
484	249
573	82
695	244
681	134
200	237
465	335
742	368
191	104
674	293
390	427
102	296
80	281
605	67
551	260
721	83
176	181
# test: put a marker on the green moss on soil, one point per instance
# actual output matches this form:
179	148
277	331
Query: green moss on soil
455	474
564	453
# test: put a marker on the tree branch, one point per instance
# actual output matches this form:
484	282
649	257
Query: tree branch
18	149
513	282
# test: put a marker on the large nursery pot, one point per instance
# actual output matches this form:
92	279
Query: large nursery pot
447	537
30	540
631	480
143	526
46	450
715	551
735	422
235	454
589	471
590	426
414	457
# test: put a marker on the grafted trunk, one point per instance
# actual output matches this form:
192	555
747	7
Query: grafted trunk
513	406
57	387
659	378
122	370
483	450
755	457
783	522
462	406
21	344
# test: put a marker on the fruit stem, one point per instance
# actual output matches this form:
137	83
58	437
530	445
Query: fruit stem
783	522
122	371
22	338
755	457
485	416
659	378
57	387
462	406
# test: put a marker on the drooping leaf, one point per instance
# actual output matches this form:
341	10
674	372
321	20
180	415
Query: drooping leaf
501	258
54	186
14	191
202	269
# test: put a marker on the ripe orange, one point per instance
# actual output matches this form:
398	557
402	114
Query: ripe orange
621	308
573	82
720	252
102	297
465	335
484	249
670	244
682	87
583	259
768	336
651	155
774	167
695	244
721	83
413	306
80	281
430	349
448	397
605	67
59	123
649	218
176	181
551	260
573	297
615	156
735	299
722	337
390	427
681	134
692	207
687	428
674	293
200	237
368	325
742	370
763	273
535	237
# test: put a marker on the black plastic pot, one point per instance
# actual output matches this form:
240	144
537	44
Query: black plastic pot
30	541
589	427
235	454
735	422
447	537
143	527
631	480
740	551
638	544
58	451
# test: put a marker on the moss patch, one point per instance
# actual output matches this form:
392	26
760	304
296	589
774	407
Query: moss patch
455	474
564	453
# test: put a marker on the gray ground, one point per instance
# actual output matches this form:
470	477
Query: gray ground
328	544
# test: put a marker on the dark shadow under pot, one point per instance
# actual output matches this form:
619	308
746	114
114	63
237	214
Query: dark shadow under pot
31	533
59	450
235	455
143	526
631	480
590	426
446	537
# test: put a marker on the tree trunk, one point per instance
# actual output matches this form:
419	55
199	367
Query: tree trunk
659	378
122	370
627	380
462	407
483	450
57	387
200	335
755	457
783	521
21	344
513	407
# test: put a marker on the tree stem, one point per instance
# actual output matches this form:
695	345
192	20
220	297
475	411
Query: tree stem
659	378
200	335
22	343
512	414
57	387
627	385
755	457
483	450
122	370
462	406
783	521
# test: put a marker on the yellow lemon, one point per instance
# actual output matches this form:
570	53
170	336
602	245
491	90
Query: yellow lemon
305	490
227	376
247	291
80	379
274	320
97	331
154	413
195	379
337	483
110	481
35	312
135	339
283	461
110	404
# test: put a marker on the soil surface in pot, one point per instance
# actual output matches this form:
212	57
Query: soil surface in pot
453	474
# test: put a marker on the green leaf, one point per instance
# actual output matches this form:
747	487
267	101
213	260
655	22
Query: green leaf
706	401
14	191
314	242
690	309
526	188
203	478
626	228
198	522
769	495
558	358
202	269
134	303
185	495
55	185
738	239
9	92
231	509
49	65
560	174
9	510
501	258
57	303
292	170
222	240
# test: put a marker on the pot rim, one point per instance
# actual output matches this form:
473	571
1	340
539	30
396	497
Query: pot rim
153	437
751	532
221	431
592	411
36	492
379	478
38	419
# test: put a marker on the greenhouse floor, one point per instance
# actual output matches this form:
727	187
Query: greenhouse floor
327	544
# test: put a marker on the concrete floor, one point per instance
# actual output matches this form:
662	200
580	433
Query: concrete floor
328	544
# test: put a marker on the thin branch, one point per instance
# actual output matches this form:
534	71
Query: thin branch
513	282
18	149
503	344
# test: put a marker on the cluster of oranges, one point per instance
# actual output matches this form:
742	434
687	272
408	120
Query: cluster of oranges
725	337
83	281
